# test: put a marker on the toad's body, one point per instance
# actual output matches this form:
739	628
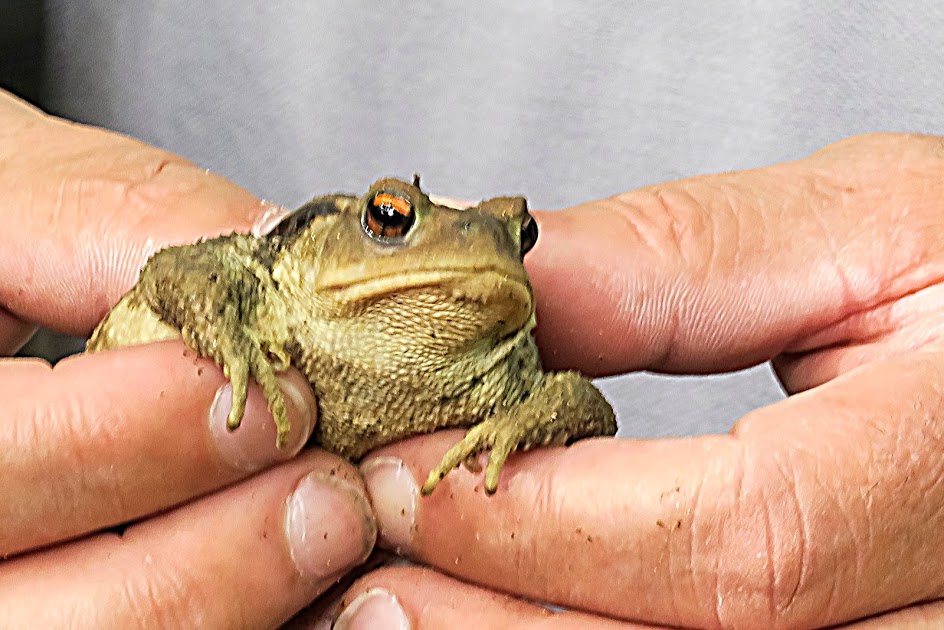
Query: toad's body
405	315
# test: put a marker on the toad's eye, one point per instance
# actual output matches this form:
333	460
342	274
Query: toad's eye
388	216
529	234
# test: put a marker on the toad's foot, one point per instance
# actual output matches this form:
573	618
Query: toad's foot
564	408
243	358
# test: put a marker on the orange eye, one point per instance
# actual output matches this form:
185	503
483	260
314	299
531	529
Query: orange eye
388	216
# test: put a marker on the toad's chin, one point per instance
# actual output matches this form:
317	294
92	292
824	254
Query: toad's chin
356	284
508	298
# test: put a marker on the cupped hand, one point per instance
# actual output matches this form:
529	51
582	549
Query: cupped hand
821	509
125	502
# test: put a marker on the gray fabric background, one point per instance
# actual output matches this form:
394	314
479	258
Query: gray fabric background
563	101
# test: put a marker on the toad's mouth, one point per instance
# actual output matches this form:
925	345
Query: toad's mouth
478	283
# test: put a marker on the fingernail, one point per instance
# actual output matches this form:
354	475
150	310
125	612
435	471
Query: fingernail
251	447
329	526
271	216
450	202
376	608
394	495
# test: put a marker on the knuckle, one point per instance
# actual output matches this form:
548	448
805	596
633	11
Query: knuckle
161	595
61	433
758	565
668	220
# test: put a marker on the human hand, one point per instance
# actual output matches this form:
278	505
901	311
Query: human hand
820	509
138	435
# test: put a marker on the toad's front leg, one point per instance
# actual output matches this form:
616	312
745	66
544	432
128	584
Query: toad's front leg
209	294
565	407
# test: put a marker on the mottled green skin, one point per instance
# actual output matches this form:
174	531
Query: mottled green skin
398	337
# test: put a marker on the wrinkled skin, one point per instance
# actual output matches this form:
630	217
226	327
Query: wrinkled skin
819	509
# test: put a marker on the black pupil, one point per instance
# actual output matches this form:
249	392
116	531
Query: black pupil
529	235
387	220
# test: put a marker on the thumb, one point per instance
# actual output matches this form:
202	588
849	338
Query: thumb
90	206
719	272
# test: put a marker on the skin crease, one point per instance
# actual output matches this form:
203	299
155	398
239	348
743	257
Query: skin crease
818	510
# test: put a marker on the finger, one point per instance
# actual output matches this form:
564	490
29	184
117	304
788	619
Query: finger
928	616
248	557
14	332
720	272
422	599
820	509
106	438
89	207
